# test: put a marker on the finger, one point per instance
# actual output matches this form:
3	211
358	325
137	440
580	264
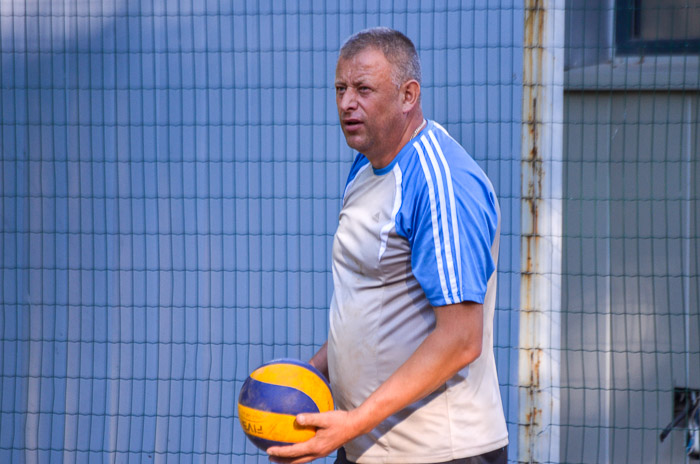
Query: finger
290	451
301	460
281	456
299	449
310	420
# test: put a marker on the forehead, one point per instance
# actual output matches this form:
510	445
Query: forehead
366	64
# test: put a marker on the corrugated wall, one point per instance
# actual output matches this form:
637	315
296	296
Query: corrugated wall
171	177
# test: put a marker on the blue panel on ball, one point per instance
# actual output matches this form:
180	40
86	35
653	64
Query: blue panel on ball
265	444
275	398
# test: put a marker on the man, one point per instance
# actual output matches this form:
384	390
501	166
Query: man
410	347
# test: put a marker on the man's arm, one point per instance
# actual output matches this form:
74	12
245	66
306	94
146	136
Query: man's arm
320	360
454	343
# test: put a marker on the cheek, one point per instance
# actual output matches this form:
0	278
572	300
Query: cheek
372	108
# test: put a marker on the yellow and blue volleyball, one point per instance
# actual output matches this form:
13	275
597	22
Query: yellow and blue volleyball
274	394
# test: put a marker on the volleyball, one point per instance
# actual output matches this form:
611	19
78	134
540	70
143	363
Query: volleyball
272	396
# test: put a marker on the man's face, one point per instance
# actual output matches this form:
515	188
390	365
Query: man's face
369	104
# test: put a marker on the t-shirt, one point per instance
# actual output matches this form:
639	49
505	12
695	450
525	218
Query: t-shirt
420	233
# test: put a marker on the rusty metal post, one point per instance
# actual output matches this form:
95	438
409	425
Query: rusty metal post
541	231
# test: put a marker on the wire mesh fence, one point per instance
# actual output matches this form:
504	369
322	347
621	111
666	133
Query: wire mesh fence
172	174
631	325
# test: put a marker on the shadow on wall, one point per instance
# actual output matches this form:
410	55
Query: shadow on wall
171	183
104	350
151	248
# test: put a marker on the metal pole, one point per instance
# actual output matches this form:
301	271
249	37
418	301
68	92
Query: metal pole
541	232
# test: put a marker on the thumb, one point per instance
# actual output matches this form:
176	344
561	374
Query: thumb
308	420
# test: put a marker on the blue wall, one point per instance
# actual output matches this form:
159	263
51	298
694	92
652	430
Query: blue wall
171	179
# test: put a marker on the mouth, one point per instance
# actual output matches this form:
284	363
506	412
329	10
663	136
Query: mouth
352	125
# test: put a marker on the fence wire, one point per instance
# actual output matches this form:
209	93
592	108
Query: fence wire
171	180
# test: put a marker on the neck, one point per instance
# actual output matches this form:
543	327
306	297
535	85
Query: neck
418	129
416	124
411	129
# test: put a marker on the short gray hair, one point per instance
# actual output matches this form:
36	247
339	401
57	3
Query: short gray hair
396	47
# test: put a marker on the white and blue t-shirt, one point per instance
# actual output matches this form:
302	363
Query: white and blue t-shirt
420	233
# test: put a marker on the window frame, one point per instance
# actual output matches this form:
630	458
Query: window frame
627	15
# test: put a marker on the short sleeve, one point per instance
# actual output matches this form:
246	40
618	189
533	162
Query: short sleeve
450	217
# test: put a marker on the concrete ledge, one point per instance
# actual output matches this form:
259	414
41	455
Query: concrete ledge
673	73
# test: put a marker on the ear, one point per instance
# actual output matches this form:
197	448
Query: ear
410	94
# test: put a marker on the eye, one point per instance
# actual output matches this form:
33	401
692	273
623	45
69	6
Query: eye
364	89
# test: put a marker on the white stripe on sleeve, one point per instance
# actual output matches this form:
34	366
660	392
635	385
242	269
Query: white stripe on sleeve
433	217
444	217
455	224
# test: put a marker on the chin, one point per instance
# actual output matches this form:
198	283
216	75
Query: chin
356	142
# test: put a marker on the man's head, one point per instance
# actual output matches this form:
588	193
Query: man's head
396	47
377	84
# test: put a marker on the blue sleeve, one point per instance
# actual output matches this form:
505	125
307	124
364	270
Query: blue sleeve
450	218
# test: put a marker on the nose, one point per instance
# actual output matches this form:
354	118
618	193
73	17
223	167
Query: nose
347	101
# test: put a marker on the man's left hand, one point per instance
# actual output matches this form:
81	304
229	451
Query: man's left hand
333	430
